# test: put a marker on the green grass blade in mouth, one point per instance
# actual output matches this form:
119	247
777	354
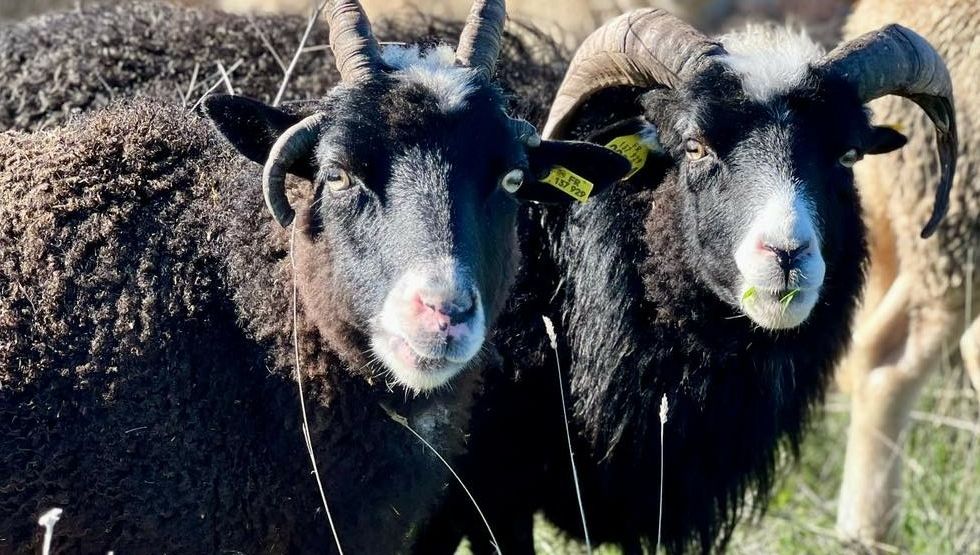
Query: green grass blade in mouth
788	298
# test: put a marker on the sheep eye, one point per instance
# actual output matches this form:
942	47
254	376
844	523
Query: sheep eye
695	149
512	181
849	158
338	180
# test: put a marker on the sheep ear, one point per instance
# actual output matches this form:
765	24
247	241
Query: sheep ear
885	139
253	127
566	171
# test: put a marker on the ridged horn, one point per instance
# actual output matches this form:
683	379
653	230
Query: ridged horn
480	41
294	143
642	48
355	49
896	61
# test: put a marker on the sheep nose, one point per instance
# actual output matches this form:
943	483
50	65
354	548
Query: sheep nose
787	259
451	307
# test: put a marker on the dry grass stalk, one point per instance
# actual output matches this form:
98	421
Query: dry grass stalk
404	423
299	51
550	330
660	510
48	520
302	402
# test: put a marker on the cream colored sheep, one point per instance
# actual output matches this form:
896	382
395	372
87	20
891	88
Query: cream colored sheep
918	292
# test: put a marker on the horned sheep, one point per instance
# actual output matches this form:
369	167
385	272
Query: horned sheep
146	334
718	282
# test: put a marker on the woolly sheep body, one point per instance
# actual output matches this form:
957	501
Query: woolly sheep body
147	383
147	367
916	299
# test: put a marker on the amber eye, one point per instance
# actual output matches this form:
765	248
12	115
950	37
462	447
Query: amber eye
849	158
338	180
512	181
695	149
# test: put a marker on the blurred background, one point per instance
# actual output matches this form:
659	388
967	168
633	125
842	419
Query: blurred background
567	20
941	512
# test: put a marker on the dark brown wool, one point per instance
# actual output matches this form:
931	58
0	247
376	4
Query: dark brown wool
57	65
146	354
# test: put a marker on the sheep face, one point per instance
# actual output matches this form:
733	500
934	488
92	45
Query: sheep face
418	176
420	231
769	204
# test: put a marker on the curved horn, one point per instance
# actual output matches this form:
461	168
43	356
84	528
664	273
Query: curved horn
355	49
479	43
294	143
896	60
642	48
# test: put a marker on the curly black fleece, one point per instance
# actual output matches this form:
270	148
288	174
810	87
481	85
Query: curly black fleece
144	317
146	354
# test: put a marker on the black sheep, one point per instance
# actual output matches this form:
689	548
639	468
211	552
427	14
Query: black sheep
145	325
721	277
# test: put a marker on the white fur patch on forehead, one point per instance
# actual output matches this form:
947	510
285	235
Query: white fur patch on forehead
770	59
434	69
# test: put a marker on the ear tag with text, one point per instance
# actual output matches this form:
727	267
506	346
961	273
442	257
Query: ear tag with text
569	182
632	148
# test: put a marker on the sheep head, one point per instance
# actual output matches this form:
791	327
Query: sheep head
417	174
758	130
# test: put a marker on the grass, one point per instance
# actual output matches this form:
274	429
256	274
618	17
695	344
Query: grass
941	483
750	294
788	298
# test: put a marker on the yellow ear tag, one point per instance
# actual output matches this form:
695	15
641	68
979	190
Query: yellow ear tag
569	182
632	148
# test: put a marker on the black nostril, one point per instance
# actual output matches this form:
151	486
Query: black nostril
787	259
461	309
458	308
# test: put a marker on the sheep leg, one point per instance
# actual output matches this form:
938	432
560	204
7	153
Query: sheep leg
880	408
970	352
879	334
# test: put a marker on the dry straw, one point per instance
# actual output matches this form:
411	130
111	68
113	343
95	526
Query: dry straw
404	423
302	402
660	509
48	520
549	328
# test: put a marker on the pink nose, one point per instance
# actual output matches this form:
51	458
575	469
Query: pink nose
447	312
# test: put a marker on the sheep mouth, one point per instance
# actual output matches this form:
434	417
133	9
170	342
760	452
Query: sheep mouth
779	309
415	367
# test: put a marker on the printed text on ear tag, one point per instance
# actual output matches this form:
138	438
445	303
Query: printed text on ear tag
632	148
569	182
